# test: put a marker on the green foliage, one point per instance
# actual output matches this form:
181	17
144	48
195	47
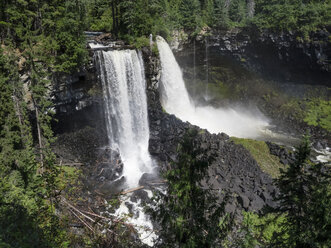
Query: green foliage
141	42
138	18
259	230
297	15
67	176
261	153
143	17
303	217
237	11
41	36
318	113
189	14
52	30
99	16
188	213
26	214
305	199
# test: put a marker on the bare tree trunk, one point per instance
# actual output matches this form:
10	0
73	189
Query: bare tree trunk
250	8
114	18
17	110
227	4
39	137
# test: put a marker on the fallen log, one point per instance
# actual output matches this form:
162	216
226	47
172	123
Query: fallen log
132	190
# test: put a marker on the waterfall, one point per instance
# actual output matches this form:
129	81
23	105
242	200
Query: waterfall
175	100
194	66
125	103
207	70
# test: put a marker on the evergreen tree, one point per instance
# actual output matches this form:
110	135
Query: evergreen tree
237	11
25	219
305	199
221	14
190	14
189	214
209	12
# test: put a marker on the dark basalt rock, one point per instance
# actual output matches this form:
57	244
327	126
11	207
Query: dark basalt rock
105	176
140	195
286	157
282	56
148	178
78	100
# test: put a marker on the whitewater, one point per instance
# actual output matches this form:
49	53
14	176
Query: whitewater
175	100
122	75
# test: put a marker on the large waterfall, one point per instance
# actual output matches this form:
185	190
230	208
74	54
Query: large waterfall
124	90
175	100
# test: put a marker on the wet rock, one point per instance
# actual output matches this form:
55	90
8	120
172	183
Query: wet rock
114	187
129	206
230	208
285	155
148	178
140	195
277	55
257	203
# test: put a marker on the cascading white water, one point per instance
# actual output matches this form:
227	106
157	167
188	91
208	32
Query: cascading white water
124	90
175	100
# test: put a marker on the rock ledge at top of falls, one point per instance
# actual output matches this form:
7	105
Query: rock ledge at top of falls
105	41
234	169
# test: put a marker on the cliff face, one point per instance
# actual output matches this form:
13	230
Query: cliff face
284	57
78	99
79	126
281	56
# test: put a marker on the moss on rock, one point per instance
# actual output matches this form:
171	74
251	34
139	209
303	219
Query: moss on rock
261	153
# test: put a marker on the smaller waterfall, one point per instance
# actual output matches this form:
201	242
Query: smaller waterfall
207	70
175	100
194	66
124	90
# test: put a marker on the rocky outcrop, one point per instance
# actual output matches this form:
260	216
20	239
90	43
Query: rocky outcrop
285	56
77	100
233	170
286	156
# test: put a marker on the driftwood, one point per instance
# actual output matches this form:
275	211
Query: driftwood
131	190
73	209
73	164
157	183
78	211
81	220
85	216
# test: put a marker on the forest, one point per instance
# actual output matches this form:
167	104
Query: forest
42	39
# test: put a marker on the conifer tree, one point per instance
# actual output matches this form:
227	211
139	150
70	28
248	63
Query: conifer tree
305	199
190	14
189	214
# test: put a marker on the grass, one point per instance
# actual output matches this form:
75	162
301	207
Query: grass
260	152
319	113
